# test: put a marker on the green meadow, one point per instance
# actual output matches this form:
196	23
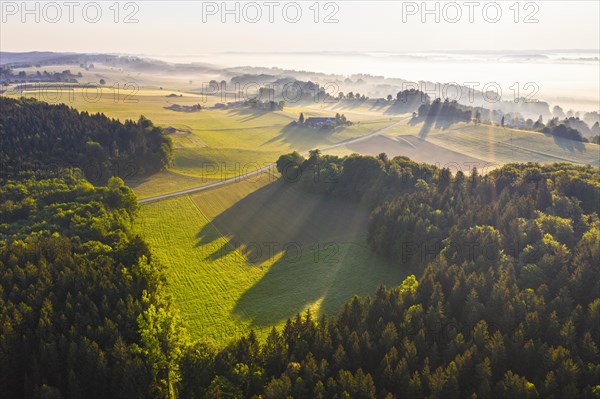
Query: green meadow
256	252
211	144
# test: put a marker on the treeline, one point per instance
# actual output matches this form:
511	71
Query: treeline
275	91
37	135
407	101
570	128
82	310
442	114
369	180
562	131
9	76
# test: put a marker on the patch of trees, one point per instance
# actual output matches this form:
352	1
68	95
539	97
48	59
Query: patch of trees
442	114
351	96
407	101
579	125
369	180
184	108
563	131
265	105
571	127
268	88
557	128
324	123
429	215
83	312
341	120
35	134
590	118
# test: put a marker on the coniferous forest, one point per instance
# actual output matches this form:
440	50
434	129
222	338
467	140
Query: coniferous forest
503	300
37	135
79	293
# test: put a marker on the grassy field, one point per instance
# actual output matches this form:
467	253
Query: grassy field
463	146
167	182
213	144
500	146
254	253
411	146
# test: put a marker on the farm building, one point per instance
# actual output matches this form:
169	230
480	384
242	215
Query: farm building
320	122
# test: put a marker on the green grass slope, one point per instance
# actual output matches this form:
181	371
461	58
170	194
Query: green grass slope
254	253
501	146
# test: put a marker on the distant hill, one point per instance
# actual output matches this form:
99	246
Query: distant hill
51	58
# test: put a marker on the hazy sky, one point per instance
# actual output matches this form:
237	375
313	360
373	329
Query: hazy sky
180	28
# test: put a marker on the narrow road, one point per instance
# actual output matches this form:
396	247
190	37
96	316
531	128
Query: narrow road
265	168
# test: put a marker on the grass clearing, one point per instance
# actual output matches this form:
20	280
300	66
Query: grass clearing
415	148
253	253
167	182
493	145
501	146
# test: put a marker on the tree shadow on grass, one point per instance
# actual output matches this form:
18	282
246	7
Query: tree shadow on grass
304	138
327	279
347	105
248	113
380	105
569	145
281	214
318	244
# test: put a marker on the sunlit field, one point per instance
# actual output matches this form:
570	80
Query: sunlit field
211	144
464	146
254	253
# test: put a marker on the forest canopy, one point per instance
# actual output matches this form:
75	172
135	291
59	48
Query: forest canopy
76	291
83	312
38	135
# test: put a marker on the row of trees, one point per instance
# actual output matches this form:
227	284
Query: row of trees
352	96
8	75
570	128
